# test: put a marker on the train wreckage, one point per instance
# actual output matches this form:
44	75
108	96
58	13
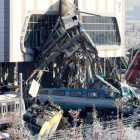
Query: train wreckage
72	57
78	78
44	118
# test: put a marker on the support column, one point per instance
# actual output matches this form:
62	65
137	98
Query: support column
104	66
1	79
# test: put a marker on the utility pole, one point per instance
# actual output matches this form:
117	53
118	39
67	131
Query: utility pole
16	74
20	100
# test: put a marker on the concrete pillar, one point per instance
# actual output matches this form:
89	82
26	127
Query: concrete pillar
1	79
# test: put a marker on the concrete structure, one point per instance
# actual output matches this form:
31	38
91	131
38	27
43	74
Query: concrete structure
14	15
107	8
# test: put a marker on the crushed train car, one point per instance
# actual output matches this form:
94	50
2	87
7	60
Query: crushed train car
43	119
102	95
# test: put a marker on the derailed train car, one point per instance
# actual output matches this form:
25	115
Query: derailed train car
43	119
9	109
102	97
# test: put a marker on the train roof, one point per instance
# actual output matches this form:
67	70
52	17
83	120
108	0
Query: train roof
4	135
106	83
8	97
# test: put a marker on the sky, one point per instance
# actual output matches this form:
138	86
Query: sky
131	3
133	13
133	8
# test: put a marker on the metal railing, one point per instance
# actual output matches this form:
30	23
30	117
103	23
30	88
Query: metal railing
76	133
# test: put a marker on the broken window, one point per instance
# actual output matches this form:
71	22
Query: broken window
93	94
39	28
76	93
112	94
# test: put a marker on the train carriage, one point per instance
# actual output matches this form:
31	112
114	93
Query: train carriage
83	98
9	108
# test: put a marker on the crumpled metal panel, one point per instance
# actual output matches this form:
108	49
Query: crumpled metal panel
67	7
133	69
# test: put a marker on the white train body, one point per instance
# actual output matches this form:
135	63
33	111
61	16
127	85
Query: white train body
9	107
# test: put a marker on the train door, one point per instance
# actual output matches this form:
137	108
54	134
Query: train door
134	95
126	91
13	106
4	110
17	105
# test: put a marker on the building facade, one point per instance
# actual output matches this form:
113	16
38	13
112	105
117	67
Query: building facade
33	20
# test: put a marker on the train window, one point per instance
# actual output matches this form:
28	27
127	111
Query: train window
9	108
59	92
4	109
112	94
125	89
17	106
61	31
76	93
118	96
93	94
12	107
43	92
